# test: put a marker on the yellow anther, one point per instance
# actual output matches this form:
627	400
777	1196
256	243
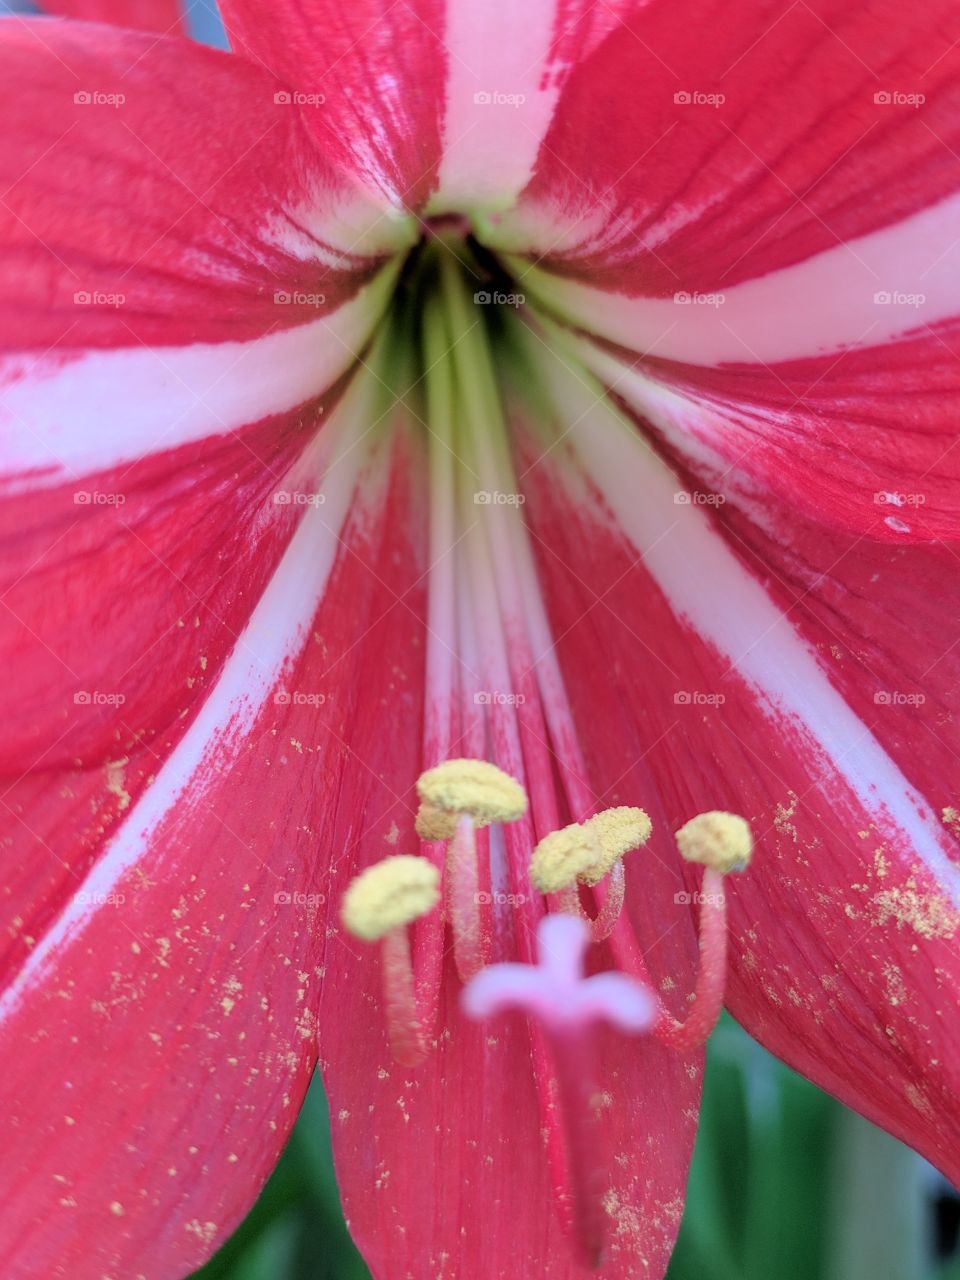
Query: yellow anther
585	852
717	839
620	830
389	894
566	856
474	787
433	823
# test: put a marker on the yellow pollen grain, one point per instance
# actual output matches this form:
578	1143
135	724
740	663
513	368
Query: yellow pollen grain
566	856
717	839
475	787
620	830
388	895
435	824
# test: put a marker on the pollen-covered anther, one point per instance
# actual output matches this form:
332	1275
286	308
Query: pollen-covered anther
388	895
719	840
473	787
619	830
586	852
565	857
433	823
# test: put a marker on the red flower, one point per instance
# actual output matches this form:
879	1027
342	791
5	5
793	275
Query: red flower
572	387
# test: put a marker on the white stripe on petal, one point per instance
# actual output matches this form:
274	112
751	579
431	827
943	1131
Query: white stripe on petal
59	421
857	294
501	94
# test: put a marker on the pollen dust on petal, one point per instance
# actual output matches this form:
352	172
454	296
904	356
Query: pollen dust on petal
204	1231
782	818
951	819
928	914
918	1099
116	782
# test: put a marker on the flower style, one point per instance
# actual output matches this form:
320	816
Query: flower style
568	388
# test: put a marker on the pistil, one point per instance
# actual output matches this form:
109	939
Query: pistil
568	1008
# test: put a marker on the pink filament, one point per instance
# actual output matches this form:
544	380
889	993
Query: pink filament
693	1031
470	943
404	1030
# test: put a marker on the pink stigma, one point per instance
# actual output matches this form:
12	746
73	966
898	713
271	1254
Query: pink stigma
555	991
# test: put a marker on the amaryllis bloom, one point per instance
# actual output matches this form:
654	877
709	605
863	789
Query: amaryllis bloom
568	388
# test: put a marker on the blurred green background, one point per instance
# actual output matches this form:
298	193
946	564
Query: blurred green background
786	1184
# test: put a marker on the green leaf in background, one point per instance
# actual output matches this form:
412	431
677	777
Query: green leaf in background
786	1184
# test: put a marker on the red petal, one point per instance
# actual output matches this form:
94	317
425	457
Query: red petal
718	670
371	79
156	598
175	985
157	193
673	188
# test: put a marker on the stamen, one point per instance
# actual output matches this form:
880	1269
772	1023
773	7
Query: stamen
434	824
568	1007
470	942
378	906
723	843
588	853
470	794
717	839
475	787
620	830
565	857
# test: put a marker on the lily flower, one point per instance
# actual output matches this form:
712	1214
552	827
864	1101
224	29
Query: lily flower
445	448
